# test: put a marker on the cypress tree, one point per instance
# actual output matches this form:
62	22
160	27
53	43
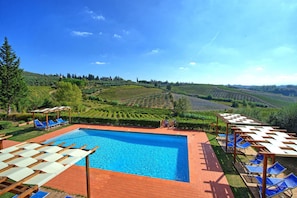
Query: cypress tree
12	85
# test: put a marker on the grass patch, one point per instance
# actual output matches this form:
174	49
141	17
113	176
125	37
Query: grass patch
24	133
7	195
226	161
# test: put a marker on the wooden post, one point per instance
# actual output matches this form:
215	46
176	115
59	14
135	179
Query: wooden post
33	118
264	176
272	159
217	126
234	147
46	120
69	115
88	177
227	126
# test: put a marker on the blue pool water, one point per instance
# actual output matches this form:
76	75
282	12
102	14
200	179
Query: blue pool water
153	155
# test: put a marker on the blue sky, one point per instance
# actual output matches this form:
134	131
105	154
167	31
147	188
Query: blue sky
248	42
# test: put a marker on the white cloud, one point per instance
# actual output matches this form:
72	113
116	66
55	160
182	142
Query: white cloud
283	50
287	78
126	32
259	68
265	79
153	51
192	63
209	43
82	34
94	16
183	68
117	36
98	17
99	63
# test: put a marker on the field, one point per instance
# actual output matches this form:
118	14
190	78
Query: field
156	94
127	92
198	104
225	93
153	100
123	112
275	100
156	103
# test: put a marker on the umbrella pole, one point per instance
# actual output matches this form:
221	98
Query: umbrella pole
88	177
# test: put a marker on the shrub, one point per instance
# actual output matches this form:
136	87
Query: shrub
116	121
5	124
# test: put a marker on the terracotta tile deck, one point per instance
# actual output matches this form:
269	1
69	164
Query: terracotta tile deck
206	176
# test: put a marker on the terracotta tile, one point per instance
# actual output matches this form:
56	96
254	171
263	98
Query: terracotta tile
206	176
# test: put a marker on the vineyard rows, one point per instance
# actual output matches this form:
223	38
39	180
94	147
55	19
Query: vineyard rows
160	100
217	92
201	104
101	113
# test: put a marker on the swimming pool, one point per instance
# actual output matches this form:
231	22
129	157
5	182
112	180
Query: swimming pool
153	155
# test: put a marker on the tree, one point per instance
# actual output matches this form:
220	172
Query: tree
285	118
12	85
235	104
244	103
168	87
68	94
181	106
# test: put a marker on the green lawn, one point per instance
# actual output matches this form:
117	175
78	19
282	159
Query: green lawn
226	161
23	133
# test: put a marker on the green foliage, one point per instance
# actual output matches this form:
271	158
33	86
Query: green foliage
235	104
285	118
5	125
244	103
68	94
116	101
20	117
12	85
33	79
39	96
199	116
126	92
117	121
192	125
260	114
228	94
168	87
288	90
226	161
24	133
181	106
78	82
123	112
156	100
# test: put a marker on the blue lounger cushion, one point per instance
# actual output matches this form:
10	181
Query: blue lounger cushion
38	194
274	169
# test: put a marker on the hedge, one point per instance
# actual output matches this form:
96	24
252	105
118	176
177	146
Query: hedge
116	121
136	122
5	124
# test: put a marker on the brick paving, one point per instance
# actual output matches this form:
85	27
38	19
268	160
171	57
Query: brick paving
206	176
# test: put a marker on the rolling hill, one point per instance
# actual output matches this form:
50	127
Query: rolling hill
155	94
